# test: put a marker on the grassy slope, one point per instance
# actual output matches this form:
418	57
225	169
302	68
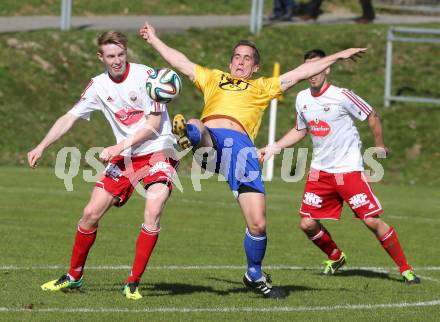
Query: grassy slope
151	7
164	7
46	71
132	7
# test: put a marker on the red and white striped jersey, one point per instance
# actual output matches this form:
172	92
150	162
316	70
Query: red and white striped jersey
125	104
329	117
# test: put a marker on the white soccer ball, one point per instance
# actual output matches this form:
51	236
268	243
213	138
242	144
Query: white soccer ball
163	85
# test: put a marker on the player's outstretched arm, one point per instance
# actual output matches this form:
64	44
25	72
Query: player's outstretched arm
290	138
148	131
174	57
58	129
309	69
376	130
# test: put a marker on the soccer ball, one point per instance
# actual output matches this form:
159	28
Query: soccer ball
163	85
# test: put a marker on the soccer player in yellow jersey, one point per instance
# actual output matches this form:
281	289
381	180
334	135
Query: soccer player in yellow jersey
234	106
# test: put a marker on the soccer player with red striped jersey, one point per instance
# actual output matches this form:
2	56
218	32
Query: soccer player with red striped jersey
144	152
329	113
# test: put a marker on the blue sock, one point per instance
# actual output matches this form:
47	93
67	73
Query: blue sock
193	134
255	248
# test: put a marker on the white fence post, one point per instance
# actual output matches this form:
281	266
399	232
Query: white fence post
269	166
388	67
66	14
256	16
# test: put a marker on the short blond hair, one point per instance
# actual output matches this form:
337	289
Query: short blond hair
112	37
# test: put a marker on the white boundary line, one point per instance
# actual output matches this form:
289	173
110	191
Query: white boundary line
279	309
213	267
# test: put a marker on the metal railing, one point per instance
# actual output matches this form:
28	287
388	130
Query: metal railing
392	37
426	7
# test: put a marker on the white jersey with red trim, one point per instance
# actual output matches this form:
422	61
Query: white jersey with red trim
125	104
329	117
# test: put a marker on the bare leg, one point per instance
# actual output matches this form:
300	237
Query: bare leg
100	201
157	195
376	225
253	207
309	226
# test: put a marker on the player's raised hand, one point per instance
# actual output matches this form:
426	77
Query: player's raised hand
147	32
33	157
352	53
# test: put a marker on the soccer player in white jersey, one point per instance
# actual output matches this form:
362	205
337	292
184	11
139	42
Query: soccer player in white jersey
144	152
329	113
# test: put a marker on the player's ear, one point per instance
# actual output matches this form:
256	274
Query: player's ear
255	68
100	57
327	71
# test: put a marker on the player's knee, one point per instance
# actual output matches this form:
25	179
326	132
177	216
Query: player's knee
374	223
308	225
257	228
194	121
90	215
200	126
152	213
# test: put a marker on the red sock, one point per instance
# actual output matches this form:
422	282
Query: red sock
324	241
144	247
391	244
83	242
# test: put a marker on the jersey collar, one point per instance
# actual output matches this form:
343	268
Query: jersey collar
322	91
124	77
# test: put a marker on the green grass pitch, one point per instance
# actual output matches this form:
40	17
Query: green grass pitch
195	272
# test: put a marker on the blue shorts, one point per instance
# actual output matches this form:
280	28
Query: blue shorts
237	159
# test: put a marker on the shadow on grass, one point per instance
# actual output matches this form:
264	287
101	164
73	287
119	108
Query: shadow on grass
366	273
167	289
287	289
236	286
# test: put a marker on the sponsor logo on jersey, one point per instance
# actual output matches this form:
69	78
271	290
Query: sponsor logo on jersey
232	84
109	99
359	200
129	116
133	96
319	128
312	199
326	108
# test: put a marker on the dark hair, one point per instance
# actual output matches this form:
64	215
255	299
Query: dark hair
248	43
314	53
112	37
